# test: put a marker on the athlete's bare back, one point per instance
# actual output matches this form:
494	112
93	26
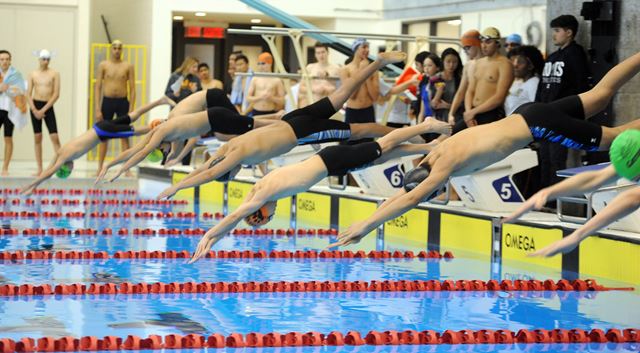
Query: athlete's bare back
473	149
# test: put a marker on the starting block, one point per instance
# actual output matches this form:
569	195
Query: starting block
599	199
492	189
383	179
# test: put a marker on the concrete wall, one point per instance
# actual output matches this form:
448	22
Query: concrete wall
127	20
62	27
625	103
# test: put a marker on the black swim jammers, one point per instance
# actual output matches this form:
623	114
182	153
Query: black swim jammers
311	124
343	159
562	122
226	121
116	128
217	98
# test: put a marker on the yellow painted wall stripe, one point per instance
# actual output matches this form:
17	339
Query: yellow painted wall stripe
611	259
411	228
314	209
465	233
518	241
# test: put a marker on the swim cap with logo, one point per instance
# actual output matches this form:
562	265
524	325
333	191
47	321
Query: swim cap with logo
625	154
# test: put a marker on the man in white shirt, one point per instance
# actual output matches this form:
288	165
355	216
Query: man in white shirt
527	66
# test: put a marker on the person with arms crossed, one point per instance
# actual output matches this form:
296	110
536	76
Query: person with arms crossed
266	94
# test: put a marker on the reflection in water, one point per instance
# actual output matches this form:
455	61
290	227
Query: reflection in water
105	277
171	319
45	325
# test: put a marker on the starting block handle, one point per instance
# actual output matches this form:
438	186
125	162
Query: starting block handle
341	186
576	200
447	191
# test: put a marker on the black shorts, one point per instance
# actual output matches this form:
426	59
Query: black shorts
481	118
359	116
114	106
8	125
397	125
217	98
226	121
343	159
562	122
49	119
311	124
256	112
116	128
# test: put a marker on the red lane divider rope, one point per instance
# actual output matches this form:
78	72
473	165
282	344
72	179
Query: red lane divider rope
96	214
165	231
220	254
335	338
7	191
299	286
111	202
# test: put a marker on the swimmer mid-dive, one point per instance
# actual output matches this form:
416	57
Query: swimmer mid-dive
562	121
625	162
259	205
219	117
307	125
101	131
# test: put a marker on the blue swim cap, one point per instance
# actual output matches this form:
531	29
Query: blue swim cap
513	38
358	42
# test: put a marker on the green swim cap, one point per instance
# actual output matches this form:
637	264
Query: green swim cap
155	156
625	154
63	172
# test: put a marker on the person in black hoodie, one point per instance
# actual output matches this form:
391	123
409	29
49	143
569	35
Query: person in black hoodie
565	74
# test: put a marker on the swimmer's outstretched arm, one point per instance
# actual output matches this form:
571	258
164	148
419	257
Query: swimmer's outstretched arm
176	147
577	184
229	162
400	204
188	147
46	174
229	222
124	156
620	206
154	142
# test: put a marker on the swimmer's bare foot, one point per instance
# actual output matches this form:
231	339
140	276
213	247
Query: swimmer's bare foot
37	173
5	173
437	126
167	100
391	57
129	174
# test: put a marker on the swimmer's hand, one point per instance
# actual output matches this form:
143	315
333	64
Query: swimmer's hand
535	202
205	244
169	101
101	175
350	236
171	163
167	193
390	57
561	246
118	174
26	191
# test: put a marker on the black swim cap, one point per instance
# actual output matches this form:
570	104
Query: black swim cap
416	176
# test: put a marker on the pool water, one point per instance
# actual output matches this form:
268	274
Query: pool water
227	313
